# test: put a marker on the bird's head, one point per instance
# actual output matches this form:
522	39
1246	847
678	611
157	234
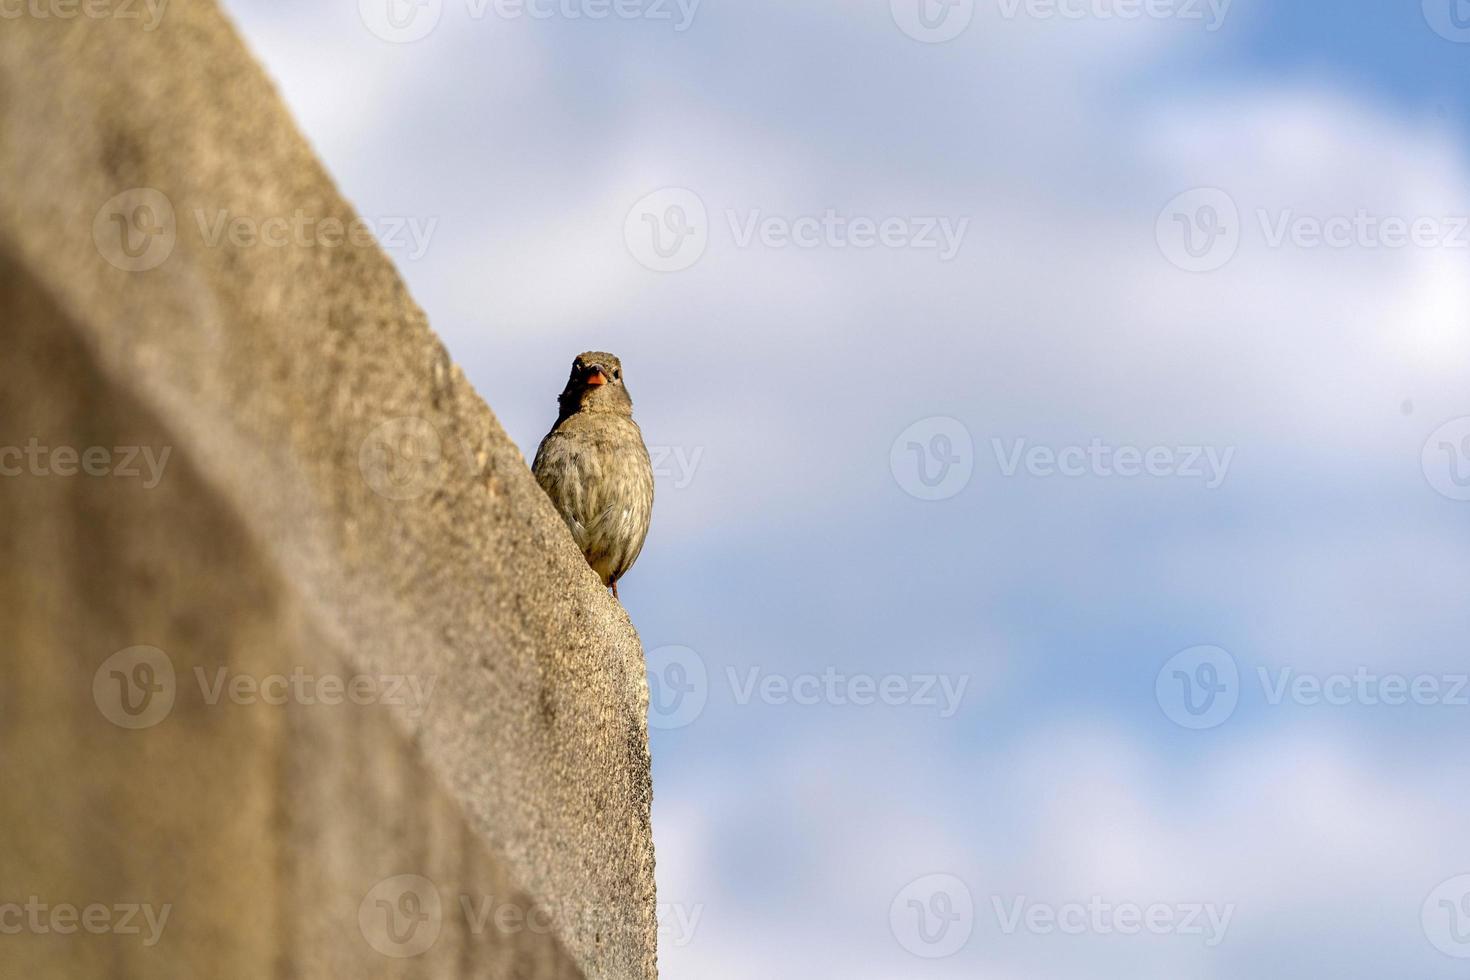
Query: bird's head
596	385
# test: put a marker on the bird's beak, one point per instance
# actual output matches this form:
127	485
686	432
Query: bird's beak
596	377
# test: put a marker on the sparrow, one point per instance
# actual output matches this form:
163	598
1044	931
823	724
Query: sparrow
595	468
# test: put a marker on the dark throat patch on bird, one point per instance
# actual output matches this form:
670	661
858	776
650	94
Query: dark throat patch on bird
595	385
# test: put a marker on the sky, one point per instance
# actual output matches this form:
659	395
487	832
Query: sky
1061	413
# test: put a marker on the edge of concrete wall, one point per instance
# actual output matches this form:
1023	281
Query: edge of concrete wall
309	401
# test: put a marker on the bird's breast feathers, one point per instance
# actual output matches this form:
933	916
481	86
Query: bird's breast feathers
598	474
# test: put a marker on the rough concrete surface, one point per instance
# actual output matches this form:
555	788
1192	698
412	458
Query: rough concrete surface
339	518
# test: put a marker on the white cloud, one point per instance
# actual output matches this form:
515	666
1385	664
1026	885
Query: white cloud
1290	831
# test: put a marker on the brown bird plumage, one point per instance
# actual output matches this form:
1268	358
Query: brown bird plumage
594	467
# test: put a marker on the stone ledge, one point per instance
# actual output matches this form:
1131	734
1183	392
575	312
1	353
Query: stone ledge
285	536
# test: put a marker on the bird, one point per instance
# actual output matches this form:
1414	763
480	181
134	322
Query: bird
595	468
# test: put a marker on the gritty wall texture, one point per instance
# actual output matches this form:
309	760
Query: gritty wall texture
337	506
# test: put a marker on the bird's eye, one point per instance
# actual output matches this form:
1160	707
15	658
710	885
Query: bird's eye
617	372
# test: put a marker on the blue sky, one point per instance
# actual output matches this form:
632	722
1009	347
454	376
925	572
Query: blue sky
785	369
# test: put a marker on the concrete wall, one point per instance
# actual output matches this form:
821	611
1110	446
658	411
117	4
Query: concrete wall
339	517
